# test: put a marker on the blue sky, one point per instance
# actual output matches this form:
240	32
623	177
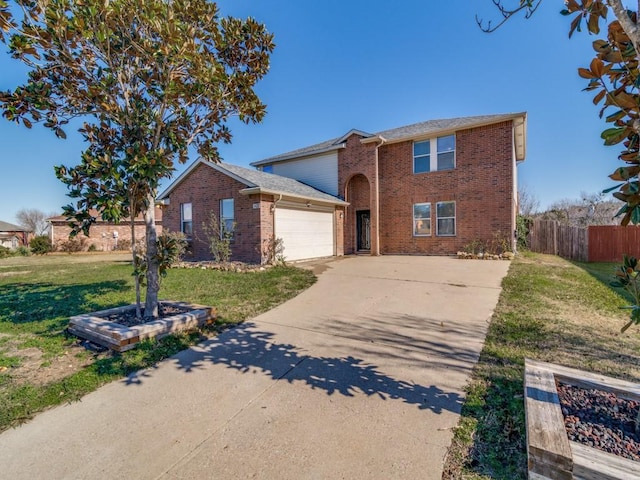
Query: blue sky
375	65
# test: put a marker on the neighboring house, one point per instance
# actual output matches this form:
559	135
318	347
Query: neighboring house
103	235
13	236
427	188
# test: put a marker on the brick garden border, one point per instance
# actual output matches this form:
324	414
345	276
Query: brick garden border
95	328
551	455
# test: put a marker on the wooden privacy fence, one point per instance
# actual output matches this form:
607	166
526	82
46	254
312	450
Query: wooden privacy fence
548	236
602	243
608	243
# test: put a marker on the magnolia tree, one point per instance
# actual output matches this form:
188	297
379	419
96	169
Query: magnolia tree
151	79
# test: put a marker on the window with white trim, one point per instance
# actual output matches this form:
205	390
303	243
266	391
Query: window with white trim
446	152
422	156
186	219
227	217
421	219
446	219
444	158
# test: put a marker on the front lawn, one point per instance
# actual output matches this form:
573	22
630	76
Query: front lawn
41	365
550	310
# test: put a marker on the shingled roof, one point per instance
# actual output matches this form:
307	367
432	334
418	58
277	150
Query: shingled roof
260	182
417	130
10	227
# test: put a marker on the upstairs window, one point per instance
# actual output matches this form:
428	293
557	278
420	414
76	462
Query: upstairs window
422	156
447	152
268	168
227	217
446	219
186	220
444	157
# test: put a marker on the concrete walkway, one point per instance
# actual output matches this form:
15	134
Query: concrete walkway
361	376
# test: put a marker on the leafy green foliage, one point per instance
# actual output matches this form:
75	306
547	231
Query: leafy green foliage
522	231
627	278
40	245
151	79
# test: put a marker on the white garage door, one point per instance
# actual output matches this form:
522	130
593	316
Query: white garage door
305	233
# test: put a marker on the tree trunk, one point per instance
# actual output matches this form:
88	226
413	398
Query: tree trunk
153	268
134	254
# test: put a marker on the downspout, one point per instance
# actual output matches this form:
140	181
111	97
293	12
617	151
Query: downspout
377	191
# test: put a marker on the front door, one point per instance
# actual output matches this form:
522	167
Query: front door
363	230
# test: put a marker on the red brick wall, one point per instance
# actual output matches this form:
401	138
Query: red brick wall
481	185
204	188
339	232
358	159
359	197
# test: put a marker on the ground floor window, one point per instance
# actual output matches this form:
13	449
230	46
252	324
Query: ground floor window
446	218
227	217
421	219
186	220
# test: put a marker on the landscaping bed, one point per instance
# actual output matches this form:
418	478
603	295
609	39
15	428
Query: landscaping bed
120	329
593	404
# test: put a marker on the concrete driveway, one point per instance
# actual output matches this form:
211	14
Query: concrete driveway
361	376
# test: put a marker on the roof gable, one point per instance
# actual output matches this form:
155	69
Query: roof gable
420	130
258	181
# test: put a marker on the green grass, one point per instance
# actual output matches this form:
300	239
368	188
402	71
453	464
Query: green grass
550	310
37	296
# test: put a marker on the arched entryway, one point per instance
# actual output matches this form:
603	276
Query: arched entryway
358	220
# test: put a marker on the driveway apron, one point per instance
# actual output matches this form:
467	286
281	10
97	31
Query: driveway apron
360	376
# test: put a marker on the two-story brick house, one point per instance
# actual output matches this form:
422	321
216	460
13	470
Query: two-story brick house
427	188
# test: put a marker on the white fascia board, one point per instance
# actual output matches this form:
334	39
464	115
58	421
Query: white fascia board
259	190
448	131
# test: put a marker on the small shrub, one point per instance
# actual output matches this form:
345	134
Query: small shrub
218	238
23	251
171	248
273	251
5	252
475	247
73	245
92	248
123	245
499	244
40	245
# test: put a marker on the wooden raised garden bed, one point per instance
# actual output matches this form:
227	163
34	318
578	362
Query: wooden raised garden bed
98	328
551	455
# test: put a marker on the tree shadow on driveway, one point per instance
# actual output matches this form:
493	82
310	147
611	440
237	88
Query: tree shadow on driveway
250	350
